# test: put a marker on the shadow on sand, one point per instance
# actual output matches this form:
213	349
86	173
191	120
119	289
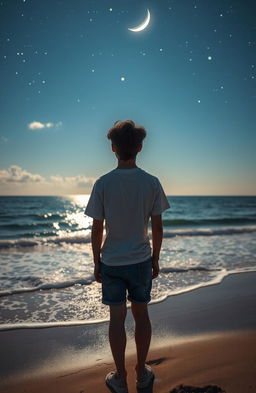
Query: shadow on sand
195	389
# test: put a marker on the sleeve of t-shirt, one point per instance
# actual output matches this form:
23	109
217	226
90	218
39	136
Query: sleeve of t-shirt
160	202
95	206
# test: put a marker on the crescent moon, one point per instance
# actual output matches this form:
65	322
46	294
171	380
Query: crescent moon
143	25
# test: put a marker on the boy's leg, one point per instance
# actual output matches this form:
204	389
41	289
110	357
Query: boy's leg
117	338
142	334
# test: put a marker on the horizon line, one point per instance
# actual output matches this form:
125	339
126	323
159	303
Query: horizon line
168	195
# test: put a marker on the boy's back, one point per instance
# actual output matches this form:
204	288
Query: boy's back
126	198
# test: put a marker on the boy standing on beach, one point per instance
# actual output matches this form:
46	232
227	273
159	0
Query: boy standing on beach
125	198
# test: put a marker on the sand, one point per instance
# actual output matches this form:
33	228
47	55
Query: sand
203	337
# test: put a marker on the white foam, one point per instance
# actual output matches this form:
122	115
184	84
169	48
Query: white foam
42	325
47	286
83	237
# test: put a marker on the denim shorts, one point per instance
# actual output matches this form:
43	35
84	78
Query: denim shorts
136	279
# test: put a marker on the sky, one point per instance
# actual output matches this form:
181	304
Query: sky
70	69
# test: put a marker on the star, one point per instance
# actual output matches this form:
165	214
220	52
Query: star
209	57
199	101
110	9
122	78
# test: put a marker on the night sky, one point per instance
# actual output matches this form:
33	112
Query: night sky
70	69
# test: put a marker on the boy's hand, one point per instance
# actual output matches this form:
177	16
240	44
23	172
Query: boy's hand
97	274
155	268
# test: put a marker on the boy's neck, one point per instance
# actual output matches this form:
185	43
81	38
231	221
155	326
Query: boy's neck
126	164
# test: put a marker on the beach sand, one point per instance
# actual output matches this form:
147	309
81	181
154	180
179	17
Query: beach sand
203	337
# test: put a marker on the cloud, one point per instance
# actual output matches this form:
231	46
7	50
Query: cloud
78	181
37	125
17	181
15	174
3	139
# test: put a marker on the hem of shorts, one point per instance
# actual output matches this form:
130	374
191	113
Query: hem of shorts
107	303
138	302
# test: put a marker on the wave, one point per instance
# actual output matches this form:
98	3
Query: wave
48	286
81	281
85	238
209	221
23	227
210	231
18	243
167	270
41	216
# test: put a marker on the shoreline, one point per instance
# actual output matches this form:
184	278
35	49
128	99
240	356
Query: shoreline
187	322
44	325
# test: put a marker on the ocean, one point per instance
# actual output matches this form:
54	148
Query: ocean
46	269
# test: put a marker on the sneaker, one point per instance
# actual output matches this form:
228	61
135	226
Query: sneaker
115	384
146	378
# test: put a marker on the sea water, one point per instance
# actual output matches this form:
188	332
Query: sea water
46	265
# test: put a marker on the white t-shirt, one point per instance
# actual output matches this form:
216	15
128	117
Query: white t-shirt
126	198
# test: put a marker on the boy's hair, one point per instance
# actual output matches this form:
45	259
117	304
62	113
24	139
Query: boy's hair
127	137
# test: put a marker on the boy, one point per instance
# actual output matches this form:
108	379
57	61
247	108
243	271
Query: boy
125	198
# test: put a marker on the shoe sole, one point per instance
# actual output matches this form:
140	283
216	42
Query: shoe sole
111	388
145	387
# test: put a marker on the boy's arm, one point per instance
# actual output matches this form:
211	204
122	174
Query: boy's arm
157	237
96	239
